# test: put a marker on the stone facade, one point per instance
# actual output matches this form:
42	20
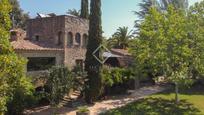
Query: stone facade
63	37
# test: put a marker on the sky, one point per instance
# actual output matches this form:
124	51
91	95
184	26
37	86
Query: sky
115	13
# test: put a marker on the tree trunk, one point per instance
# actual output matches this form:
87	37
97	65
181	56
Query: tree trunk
176	93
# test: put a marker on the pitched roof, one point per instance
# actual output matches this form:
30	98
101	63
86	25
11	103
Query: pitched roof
33	45
122	52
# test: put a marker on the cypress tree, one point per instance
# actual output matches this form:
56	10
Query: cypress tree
92	66
84	9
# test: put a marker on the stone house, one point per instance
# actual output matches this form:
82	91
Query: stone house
52	40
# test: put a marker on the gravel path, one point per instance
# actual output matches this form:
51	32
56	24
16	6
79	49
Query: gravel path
98	107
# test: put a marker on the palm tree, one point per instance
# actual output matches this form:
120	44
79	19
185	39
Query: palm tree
92	66
120	39
161	5
84	9
74	12
180	4
145	5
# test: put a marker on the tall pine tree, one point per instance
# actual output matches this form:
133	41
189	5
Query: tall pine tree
92	66
84	9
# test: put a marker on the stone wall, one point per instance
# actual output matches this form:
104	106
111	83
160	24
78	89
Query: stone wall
46	28
73	54
49	28
76	51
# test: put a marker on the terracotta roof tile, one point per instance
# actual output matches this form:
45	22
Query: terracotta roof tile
32	45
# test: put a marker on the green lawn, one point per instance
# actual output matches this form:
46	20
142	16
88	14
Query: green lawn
191	103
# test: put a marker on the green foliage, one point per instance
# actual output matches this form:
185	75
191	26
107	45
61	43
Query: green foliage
163	104
74	12
5	25
165	47
120	39
17	15
79	78
13	82
196	30
160	5
92	66
84	9
112	76
59	83
82	109
22	97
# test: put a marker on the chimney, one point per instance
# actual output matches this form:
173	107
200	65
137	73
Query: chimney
17	34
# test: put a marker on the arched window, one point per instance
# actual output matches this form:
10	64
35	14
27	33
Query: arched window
85	40
69	39
78	39
59	38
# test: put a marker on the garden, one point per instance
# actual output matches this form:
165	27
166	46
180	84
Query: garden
163	104
167	43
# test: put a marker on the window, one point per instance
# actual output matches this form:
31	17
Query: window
78	39
69	39
59	39
85	40
37	38
40	63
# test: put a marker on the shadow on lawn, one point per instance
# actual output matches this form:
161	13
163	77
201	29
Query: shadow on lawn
155	106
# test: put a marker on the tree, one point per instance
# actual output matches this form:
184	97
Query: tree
59	83
120	39
92	66
17	15
13	81
163	46
84	9
196	30
145	5
160	5
74	12
179	4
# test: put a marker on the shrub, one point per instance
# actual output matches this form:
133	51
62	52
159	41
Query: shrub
80	76
116	80
59	83
116	75
22	97
15	87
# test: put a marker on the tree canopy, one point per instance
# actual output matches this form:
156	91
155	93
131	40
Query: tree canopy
160	5
74	12
166	46
12	68
121	38
84	9
18	16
